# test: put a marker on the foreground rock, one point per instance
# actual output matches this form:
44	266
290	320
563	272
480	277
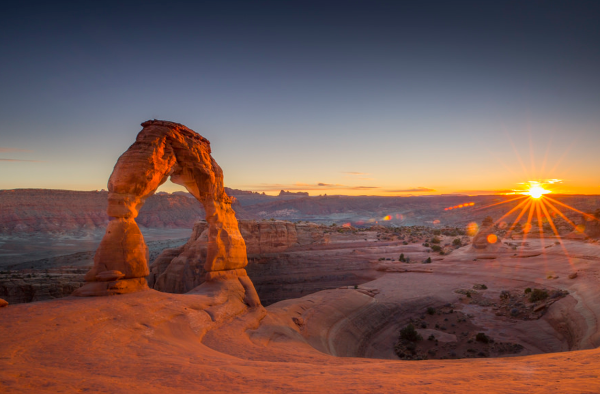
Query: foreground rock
162	150
178	270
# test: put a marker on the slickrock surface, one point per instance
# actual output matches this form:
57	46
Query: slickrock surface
164	150
179	270
211	340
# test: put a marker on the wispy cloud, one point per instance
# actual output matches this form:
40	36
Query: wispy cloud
15	150
35	161
12	150
329	184
413	190
357	175
320	186
484	192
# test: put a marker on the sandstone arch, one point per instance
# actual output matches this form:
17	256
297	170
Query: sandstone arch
162	150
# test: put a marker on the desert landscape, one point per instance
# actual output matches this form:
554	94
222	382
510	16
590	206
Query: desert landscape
300	197
312	304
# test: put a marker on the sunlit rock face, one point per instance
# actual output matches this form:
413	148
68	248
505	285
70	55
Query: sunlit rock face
178	270
162	150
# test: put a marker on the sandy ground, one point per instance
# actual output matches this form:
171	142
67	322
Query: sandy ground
209	341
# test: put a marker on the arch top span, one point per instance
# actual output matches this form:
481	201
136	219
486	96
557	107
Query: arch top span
163	150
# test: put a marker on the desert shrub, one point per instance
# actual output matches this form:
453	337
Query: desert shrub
410	334
404	243
528	290
407	259
436	248
381	258
431	310
481	337
437	232
431	338
426	244
401	258
538	295
427	261
435	240
456	242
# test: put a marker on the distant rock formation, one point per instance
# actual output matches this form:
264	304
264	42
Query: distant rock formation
178	270
486	238
284	193
162	150
588	227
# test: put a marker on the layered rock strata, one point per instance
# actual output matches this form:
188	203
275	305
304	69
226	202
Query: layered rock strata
286	260
178	270
162	150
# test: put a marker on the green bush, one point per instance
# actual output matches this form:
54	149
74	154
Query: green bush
401	258
528	290
481	337
538	295
427	261
410	334
435	240
436	248
431	310
456	242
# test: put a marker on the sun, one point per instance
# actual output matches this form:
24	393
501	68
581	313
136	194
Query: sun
536	191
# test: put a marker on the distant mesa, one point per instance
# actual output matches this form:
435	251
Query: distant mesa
285	193
162	150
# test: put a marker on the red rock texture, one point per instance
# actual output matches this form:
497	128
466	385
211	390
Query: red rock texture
178	270
162	150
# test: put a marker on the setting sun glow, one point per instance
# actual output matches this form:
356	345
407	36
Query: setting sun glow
536	191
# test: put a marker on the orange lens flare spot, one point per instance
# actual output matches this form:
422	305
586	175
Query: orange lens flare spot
492	238
387	217
472	229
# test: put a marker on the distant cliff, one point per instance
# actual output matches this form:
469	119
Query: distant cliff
66	211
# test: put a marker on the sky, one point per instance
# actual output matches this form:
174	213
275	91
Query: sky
349	97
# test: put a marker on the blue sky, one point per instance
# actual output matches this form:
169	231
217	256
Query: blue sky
329	97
